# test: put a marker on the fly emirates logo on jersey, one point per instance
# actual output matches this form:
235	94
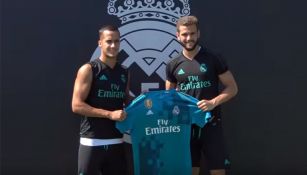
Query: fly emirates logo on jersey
163	127
114	92
194	82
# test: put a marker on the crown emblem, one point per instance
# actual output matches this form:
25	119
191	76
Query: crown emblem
165	10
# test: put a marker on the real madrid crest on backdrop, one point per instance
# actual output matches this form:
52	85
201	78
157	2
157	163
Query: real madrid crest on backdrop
148	39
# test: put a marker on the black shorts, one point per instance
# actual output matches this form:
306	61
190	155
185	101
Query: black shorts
105	160
209	143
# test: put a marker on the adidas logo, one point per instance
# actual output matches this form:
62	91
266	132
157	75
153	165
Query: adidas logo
149	112
103	77
180	72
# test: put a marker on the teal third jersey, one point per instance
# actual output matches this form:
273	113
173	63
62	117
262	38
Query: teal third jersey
159	123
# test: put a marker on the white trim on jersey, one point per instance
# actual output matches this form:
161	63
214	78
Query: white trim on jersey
99	142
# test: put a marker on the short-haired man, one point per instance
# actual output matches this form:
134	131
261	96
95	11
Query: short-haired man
198	72
100	92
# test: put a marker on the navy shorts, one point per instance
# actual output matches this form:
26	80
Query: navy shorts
208	143
105	160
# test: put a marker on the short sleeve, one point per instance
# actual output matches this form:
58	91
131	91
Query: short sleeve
220	64
127	124
198	116
169	71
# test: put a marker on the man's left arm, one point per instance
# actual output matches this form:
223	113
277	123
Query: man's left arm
129	98
229	91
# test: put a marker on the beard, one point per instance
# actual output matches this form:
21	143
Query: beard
189	48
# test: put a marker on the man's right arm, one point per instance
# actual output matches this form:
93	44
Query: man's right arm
82	88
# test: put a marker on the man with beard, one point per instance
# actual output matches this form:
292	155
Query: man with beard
198	72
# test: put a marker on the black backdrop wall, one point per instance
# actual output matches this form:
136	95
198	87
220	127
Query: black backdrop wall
43	43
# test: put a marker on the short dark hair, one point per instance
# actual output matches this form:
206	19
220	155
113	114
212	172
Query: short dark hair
108	27
187	21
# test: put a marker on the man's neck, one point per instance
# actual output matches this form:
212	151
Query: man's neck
108	61
191	54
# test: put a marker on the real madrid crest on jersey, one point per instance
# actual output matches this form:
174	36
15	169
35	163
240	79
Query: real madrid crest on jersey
176	110
123	78
148	105
148	39
203	68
